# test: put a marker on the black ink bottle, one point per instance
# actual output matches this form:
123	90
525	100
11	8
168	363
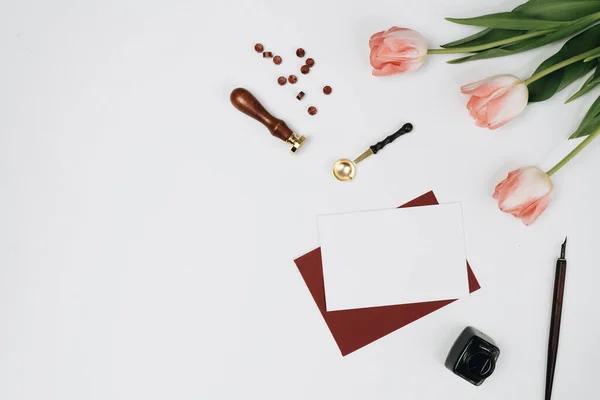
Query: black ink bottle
473	356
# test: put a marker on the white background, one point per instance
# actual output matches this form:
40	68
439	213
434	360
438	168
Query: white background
147	228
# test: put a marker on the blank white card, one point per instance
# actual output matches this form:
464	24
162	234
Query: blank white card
397	256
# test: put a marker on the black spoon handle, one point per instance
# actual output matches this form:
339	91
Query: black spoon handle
380	145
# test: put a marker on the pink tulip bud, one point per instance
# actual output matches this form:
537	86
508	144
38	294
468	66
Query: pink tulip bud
525	193
496	100
397	50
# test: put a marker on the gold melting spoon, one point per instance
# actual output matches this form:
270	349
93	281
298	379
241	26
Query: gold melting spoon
344	169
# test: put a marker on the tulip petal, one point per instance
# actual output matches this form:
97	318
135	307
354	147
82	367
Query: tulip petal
390	69
483	87
496	100
478	109
395	29
525	193
477	106
533	211
396	50
506	184
376	39
506	107
408	36
375	62
522	188
488	86
401	53
525	190
386	70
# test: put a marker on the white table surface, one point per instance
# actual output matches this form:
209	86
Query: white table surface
148	229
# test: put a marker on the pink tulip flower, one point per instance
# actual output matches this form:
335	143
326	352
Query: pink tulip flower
397	50
525	193
496	100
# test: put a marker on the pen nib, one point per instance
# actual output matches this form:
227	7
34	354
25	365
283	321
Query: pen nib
563	249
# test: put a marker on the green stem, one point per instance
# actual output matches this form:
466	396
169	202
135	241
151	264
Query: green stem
473	49
560	65
575	151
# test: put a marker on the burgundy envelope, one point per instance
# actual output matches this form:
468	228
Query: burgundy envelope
353	329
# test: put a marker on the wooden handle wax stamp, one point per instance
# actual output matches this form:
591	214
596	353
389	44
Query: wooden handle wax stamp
244	101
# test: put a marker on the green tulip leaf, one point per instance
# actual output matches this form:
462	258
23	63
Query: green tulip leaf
592	112
553	10
544	88
590	122
590	83
586	129
558	10
532	43
509	20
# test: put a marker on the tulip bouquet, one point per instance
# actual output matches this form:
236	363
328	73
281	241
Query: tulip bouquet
496	100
